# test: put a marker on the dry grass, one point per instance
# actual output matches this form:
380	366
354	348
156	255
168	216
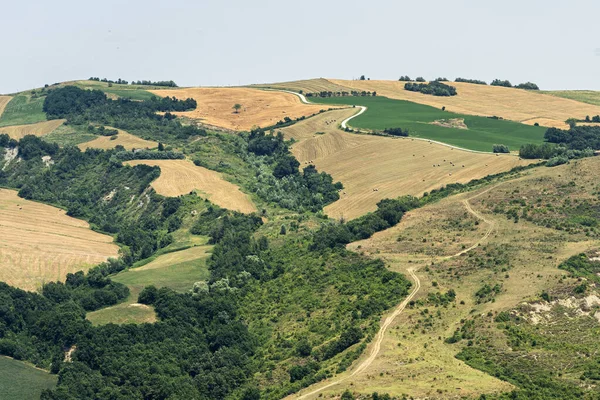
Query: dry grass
414	359
179	177
124	139
259	107
509	103
3	102
313	127
176	257
306	85
374	167
39	129
41	243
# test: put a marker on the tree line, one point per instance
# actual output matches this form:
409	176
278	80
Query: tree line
354	93
141	83
434	88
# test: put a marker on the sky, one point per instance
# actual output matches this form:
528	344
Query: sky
555	44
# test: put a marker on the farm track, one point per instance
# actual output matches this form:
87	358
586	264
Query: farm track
376	347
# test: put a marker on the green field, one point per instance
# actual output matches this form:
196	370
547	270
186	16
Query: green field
178	270
585	96
21	381
69	135
133	92
23	110
178	276
482	134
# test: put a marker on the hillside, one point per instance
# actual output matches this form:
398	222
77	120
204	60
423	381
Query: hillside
170	248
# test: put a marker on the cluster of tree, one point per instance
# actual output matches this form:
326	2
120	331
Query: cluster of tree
118	81
82	107
558	154
303	189
396	131
102	131
582	265
440	79
7	142
354	93
500	148
128	155
155	83
506	83
577	138
528	86
433	88
389	212
595	118
474	81
498	82
405	78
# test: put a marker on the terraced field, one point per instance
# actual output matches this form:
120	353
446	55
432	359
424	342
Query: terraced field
518	105
259	107
373	167
37	129
179	177
41	243
124	139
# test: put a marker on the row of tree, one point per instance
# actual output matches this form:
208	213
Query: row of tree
354	93
142	82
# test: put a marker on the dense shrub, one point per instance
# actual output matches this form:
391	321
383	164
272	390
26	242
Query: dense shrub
501	148
528	86
498	82
396	131
474	81
432	88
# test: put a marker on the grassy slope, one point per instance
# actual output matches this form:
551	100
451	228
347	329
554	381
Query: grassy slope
20	381
482	134
22	110
585	96
133	92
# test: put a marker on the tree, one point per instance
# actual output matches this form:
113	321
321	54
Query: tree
501	148
236	108
161	147
362	78
347	395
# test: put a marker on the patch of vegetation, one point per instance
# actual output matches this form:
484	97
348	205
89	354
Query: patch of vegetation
435	88
487	293
396	131
482	134
500	148
499	82
23	109
582	265
474	81
528	86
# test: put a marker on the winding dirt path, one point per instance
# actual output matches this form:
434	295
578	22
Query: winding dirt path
376	346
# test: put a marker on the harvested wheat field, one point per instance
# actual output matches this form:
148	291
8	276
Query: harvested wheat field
307	86
326	122
509	103
124	139
38	129
259	107
40	243
179	177
374	167
3	102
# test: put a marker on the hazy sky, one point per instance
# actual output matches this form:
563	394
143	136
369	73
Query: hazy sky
553	43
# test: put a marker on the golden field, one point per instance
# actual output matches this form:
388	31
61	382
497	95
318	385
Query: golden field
40	243
38	129
179	177
124	139
259	107
373	168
